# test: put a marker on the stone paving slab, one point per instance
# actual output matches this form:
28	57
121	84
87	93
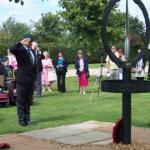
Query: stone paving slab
78	134
85	138
74	140
52	135
105	142
96	136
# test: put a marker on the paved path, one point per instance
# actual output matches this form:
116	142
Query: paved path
93	72
79	134
91	135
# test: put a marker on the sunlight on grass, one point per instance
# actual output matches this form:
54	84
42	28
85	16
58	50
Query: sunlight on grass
54	109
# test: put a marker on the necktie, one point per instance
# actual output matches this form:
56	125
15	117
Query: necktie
31	55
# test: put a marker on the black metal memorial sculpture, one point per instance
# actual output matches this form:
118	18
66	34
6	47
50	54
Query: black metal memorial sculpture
127	86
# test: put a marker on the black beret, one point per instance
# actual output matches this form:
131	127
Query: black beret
29	36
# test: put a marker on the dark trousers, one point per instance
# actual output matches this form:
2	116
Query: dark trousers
140	78
24	98
149	71
38	84
61	85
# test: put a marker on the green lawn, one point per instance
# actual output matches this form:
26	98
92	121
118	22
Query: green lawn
57	109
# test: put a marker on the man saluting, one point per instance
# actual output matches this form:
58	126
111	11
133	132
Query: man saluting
25	77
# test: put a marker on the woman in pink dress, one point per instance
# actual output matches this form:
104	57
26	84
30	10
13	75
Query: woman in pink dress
47	66
81	66
12	60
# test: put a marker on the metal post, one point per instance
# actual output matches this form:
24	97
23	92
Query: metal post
126	109
127	41
126	97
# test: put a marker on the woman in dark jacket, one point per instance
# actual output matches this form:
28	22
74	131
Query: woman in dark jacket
61	64
81	66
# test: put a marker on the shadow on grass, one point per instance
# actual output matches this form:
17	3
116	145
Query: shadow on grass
51	119
59	94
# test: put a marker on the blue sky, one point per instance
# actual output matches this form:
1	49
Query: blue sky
33	9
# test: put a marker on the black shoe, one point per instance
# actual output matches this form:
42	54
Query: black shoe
38	95
22	123
28	123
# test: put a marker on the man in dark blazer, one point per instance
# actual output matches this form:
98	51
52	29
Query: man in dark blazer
149	71
25	77
39	69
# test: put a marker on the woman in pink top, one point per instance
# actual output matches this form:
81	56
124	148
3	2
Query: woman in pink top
47	66
12	60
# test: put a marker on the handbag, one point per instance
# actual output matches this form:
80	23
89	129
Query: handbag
52	76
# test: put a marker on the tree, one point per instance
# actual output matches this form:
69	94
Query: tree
48	28
10	32
5	42
15	29
83	19
19	1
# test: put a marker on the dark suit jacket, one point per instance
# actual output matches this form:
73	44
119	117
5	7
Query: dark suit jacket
26	72
149	70
86	66
39	67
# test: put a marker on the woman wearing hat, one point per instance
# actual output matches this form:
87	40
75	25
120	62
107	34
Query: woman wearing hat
61	65
47	67
81	66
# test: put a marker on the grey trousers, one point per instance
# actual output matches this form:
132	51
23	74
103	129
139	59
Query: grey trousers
114	74
38	84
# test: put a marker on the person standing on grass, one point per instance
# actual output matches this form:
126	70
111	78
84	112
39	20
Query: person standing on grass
39	69
149	71
140	65
61	64
25	77
12	60
47	67
81	66
112	68
122	56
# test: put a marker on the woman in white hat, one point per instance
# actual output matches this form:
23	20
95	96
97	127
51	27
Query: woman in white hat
47	67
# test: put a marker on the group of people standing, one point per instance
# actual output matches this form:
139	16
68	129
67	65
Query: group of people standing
36	71
116	73
47	70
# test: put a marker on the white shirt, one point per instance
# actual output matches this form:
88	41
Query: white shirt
111	64
31	53
139	69
81	64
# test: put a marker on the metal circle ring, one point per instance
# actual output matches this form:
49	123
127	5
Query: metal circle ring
104	35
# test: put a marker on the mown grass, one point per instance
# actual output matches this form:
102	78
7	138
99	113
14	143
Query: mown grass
55	109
